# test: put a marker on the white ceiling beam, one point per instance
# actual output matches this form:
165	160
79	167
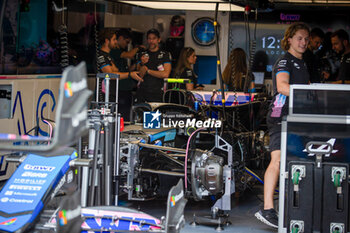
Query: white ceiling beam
200	5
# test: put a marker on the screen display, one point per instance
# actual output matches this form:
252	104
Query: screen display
205	68
259	77
321	102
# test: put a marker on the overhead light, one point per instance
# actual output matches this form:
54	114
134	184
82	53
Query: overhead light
199	5
205	1
313	2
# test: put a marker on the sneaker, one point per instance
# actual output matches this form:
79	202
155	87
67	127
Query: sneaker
269	217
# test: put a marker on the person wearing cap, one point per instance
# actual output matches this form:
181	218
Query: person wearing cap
154	65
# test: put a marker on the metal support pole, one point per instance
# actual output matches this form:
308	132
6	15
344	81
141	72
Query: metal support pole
107	79
80	143
97	88
117	158
107	172
85	170
116	147
116	93
97	127
84	184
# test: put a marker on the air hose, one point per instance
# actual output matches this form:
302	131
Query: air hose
216	25
97	51
252	48
100	97
63	31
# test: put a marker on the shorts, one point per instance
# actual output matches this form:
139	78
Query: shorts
275	128
275	141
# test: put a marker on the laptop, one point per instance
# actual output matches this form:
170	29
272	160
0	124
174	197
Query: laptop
259	78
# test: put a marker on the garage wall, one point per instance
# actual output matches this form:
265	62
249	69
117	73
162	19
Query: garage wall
142	23
223	20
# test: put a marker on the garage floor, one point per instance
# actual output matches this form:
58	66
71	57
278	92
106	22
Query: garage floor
241	215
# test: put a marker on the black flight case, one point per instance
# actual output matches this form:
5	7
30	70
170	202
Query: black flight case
315	157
